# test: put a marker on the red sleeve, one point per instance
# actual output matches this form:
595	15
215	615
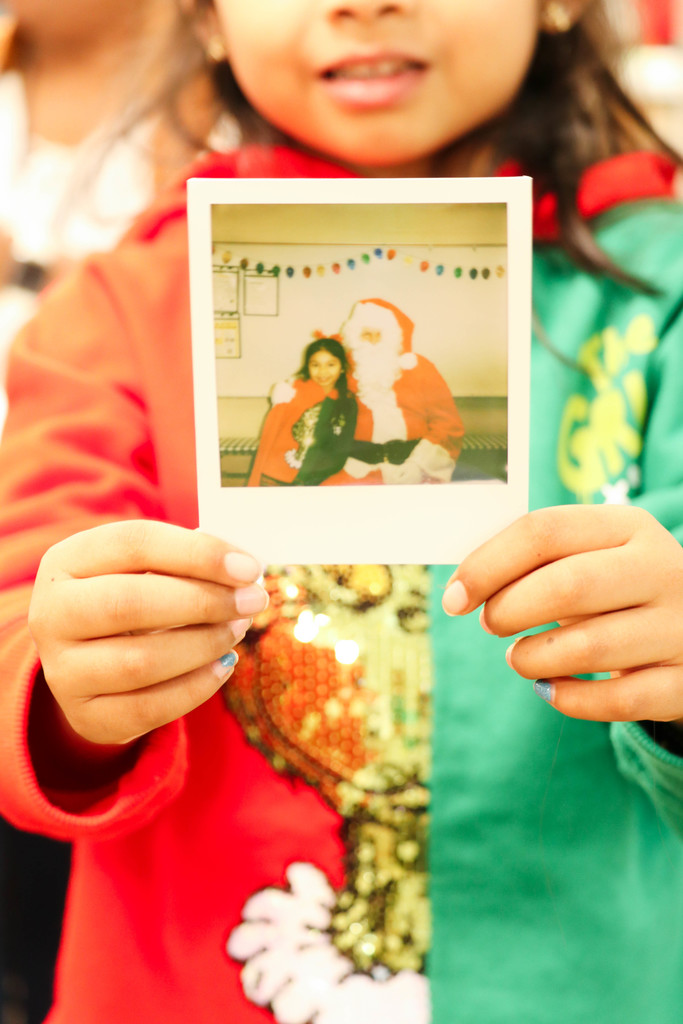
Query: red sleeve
76	452
277	438
443	423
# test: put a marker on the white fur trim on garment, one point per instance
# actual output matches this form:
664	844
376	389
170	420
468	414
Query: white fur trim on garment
408	361
427	461
282	393
370	315
433	460
388	423
291	965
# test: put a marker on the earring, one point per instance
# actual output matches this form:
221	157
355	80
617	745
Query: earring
555	18
216	50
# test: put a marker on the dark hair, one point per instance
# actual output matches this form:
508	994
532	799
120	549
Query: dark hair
336	349
570	113
185	94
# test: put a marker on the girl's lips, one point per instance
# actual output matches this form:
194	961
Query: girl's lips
373	83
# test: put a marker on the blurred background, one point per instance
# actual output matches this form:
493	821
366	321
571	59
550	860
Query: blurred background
85	143
654	67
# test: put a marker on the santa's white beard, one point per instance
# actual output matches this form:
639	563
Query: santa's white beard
376	369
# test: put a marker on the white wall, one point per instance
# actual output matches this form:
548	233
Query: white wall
460	323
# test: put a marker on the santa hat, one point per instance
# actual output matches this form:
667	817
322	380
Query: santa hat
378	314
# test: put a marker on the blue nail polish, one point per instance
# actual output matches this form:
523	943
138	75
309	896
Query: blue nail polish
544	689
229	660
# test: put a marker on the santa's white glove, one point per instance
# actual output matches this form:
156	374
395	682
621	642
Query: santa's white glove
407	472
358	469
292	460
427	461
282	393
433	460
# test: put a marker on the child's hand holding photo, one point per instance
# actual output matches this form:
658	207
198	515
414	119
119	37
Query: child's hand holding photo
135	624
612	577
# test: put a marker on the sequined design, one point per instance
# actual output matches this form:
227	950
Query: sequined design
337	689
303	432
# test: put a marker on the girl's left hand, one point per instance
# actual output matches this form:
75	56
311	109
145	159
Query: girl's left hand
612	577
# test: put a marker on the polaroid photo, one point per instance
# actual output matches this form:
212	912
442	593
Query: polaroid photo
361	364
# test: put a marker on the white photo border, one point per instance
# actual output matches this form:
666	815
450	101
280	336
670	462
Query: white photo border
417	524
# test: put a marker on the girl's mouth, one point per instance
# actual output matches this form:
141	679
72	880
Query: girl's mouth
387	68
373	83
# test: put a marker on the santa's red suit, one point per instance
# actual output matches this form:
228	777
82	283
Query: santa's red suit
402	398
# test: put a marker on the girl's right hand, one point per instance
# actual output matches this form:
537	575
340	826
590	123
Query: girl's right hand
131	620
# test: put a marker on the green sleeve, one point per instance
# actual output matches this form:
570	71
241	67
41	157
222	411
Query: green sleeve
654	769
662	458
658	771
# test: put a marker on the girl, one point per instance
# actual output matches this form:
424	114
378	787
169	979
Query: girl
267	862
309	429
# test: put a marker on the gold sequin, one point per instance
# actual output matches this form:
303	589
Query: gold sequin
337	688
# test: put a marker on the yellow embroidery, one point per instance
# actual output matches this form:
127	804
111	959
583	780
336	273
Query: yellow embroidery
599	437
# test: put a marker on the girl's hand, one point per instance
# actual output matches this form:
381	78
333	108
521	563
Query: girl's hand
612	577
131	621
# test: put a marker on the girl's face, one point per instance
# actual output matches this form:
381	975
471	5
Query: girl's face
378	85
324	369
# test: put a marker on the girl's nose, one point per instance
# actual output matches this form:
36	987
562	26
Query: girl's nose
367	10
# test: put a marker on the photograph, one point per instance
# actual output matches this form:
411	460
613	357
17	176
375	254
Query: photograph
354	344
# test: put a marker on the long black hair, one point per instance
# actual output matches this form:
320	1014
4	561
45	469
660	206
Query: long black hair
572	112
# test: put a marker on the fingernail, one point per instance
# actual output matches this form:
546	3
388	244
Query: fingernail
224	666
508	653
545	690
242	567
455	598
483	623
239	628
250	600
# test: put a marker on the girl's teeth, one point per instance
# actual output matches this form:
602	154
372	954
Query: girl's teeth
385	69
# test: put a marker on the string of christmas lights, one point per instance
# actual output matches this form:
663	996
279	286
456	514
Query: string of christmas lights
352	263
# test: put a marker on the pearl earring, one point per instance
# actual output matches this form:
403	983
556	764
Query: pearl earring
555	18
216	50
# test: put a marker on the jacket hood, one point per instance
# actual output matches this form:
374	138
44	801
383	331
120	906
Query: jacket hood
621	179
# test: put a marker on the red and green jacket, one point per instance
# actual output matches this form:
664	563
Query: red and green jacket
554	848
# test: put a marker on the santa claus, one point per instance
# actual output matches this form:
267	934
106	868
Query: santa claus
408	428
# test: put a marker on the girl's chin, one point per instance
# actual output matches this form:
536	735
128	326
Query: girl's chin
377	165
388	159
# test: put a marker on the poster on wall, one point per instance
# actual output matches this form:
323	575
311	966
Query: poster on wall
225	284
261	293
368	388
227	335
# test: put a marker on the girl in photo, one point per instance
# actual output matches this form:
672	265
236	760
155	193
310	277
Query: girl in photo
308	431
